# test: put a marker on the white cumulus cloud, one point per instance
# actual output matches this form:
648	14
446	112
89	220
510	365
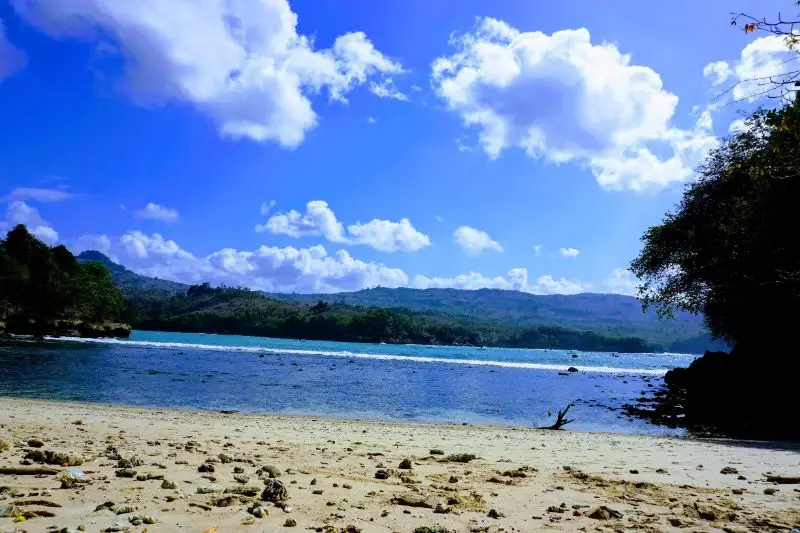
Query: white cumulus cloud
562	99
319	220
241	62
751	76
516	279
19	212
153	211
40	194
621	281
474	241
571	253
387	89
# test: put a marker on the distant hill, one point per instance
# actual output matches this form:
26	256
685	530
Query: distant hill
612	315
130	282
607	314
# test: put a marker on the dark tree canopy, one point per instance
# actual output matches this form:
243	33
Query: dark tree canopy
731	250
40	285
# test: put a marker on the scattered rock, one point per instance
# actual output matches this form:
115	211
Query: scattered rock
453	479
168	485
274	491
243	491
436	451
259	512
572	369
495	514
205	467
224	458
241	478
211	488
34	443
769	491
55	458
556	509
413	499
460	458
441	509
405	464
125	472
382	474
603	513
729	470
290	522
634	471
271	471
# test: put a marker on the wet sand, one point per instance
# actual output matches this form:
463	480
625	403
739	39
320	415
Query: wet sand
327	476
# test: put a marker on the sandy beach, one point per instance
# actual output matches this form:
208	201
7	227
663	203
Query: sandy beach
162	470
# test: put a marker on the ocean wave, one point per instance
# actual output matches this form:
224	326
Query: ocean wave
359	355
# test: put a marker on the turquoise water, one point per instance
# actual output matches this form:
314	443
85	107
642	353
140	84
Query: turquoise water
393	382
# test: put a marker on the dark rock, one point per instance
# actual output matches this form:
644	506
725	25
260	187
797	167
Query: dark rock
413	499
405	464
290	522
271	471
495	514
205	467
125	472
382	474
572	369
769	491
460	458
729	470
35	443
436	451
274	491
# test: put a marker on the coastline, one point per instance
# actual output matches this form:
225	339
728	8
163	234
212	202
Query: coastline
339	452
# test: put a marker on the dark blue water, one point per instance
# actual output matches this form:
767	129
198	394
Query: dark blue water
421	383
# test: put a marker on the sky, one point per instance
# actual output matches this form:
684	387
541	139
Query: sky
332	145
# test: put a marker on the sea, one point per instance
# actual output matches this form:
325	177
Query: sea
454	384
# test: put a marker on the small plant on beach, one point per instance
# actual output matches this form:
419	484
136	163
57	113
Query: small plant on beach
78	422
4	446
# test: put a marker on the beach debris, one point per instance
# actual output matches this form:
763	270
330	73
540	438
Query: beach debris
202	506
205	467
71	478
270	470
225	458
290	522
124	510
603	513
436	451
493	513
729	470
125	472
783	480
104	506
243	491
28	471
459	458
225	501
168	485
434	529
413	499
132	462
211	488
405	464
54	458
382	474
143	519
35	443
557	509
274	491
561	419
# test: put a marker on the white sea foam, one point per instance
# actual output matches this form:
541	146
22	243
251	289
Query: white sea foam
375	356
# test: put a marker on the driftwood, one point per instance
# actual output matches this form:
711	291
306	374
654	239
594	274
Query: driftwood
561	419
28	471
783	480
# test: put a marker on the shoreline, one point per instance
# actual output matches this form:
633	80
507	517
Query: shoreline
519	473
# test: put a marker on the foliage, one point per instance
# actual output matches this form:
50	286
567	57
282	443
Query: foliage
730	251
784	84
241	311
40	284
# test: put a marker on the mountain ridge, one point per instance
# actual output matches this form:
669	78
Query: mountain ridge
607	314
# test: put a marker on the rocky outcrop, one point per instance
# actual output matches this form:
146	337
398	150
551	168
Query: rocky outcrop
67	328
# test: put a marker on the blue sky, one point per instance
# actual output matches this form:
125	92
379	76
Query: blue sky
321	145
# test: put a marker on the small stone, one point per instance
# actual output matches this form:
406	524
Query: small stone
290	522
440	509
382	474
405	464
205	467
259	512
313	481
347	486
211	488
738	491
436	451
729	470
272	471
453	479
224	458
572	369
238	470
125	472
493	513
317	491
384	514
241	478
769	491
35	443
603	513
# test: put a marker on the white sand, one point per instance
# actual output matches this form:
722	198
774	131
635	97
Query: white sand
678	486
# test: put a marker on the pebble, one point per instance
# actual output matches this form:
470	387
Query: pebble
290	522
